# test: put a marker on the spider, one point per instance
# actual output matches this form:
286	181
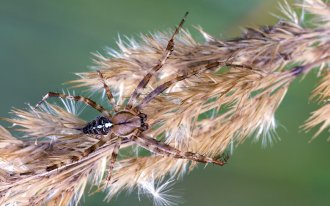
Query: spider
130	123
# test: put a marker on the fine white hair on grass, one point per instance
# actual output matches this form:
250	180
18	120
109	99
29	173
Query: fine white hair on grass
136	150
11	204
73	107
180	135
266	132
302	14
160	191
120	94
288	11
231	147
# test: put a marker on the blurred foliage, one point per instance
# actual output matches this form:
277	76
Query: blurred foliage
42	43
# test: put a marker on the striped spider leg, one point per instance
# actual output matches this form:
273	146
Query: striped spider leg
130	123
143	83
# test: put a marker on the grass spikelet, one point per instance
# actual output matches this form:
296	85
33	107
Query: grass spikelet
321	116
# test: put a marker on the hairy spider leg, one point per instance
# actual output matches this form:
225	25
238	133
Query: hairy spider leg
168	51
161	148
113	158
110	97
159	89
74	158
85	100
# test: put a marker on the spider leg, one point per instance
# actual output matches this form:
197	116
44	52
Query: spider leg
168	51
85	100
167	84
159	89
76	157
161	148
113	159
111	99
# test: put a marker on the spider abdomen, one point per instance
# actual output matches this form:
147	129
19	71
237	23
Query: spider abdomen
101	125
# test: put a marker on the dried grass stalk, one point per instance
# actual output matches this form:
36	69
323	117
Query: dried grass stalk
205	113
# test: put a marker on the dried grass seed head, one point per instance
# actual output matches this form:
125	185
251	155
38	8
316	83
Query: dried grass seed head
266	51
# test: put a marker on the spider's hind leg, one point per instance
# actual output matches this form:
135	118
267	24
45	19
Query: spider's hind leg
113	158
161	148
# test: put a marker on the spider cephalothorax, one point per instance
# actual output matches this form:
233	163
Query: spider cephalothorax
129	124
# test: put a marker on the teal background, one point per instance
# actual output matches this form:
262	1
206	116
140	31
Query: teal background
43	43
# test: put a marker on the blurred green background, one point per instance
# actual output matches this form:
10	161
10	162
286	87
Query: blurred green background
43	43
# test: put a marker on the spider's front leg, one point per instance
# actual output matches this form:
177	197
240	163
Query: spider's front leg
110	97
85	100
143	83
161	148
159	89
